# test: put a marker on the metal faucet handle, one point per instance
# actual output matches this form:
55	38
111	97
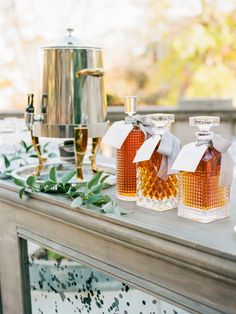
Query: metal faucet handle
70	31
30	105
44	103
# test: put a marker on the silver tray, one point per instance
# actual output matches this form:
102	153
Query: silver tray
62	167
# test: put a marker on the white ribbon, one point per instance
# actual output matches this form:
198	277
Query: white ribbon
227	163
169	148
145	127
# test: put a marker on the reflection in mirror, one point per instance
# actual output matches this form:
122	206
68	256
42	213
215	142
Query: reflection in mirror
60	285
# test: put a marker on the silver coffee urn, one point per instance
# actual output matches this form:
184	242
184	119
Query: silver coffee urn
73	98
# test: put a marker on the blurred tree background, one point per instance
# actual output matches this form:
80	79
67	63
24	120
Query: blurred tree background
190	57
161	51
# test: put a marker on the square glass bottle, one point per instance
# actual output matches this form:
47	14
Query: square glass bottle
201	198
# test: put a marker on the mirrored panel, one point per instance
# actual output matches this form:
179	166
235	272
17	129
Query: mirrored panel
63	286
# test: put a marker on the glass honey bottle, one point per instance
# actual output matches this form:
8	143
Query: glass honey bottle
201	198
155	192
126	169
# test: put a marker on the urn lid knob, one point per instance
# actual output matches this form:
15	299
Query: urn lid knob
70	31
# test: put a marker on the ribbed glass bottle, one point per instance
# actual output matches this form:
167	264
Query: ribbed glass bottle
200	196
126	169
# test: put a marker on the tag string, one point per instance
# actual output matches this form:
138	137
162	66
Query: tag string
137	121
221	145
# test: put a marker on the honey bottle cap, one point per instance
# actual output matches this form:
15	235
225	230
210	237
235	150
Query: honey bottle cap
204	123
162	119
130	106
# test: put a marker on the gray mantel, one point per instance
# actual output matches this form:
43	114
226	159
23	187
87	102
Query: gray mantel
181	127
226	113
115	113
186	263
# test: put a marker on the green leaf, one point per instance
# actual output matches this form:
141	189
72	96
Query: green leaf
108	208
23	144
123	211
53	174
106	199
113	208
116	211
95	199
31	180
79	190
70	191
21	192
52	155
96	189
28	148
66	187
7	162
77	202
104	178
94	180
67	177
61	189
45	183
33	156
107	185
15	158
81	187
7	172
45	147
19	182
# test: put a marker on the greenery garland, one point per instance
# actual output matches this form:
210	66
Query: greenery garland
83	194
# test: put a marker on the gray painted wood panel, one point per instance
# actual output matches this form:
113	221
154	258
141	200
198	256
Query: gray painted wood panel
184	262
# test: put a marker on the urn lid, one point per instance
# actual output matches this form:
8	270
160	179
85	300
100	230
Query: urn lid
71	42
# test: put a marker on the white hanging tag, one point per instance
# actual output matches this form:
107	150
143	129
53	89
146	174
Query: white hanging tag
117	133
146	150
189	157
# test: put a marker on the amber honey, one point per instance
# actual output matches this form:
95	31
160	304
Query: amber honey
201	198
154	192
200	189
126	169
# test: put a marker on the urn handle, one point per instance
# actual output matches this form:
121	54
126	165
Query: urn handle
97	72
